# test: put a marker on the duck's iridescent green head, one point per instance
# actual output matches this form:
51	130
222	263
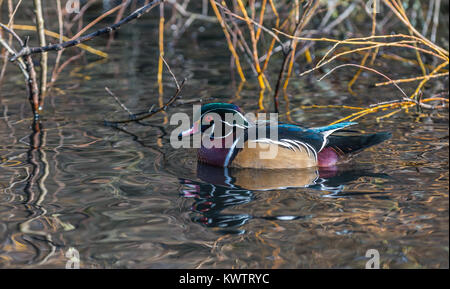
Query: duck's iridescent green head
219	107
211	113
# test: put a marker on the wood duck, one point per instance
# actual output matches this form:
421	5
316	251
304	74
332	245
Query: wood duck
295	146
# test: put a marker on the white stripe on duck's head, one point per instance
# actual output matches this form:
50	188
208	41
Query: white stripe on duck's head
227	114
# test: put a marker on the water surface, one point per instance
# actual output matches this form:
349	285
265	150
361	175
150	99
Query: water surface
124	198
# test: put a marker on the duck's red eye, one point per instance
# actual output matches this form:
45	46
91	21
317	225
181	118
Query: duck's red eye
208	118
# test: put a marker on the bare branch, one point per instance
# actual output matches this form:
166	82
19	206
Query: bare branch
56	47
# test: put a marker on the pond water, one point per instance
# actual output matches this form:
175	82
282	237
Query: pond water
124	198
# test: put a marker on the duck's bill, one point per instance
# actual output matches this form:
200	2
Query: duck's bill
193	130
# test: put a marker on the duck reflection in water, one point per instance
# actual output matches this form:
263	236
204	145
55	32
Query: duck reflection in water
226	187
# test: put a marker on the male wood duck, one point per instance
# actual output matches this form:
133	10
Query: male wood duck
296	146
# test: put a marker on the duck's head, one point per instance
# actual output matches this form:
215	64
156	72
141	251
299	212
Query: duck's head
227	114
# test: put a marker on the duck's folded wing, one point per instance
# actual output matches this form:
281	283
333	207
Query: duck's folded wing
315	138
354	143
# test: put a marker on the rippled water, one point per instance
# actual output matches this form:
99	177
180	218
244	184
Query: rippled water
126	199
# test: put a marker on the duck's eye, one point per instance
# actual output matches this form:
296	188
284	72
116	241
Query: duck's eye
208	118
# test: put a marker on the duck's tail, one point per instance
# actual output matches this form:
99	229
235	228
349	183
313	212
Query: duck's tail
356	143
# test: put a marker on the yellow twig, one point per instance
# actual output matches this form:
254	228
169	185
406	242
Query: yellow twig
227	36
411	79
427	77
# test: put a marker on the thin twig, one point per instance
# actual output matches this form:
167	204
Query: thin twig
118	101
13	33
171	73
367	68
20	62
153	112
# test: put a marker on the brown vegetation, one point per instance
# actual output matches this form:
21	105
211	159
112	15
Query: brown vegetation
256	31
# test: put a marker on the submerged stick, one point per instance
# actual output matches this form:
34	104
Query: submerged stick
119	102
133	117
42	42
152	112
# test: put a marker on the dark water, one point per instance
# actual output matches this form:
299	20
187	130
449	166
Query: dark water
127	199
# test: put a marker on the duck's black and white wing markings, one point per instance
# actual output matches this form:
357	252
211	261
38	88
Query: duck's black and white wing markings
349	144
310	139
326	131
295	138
301	146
